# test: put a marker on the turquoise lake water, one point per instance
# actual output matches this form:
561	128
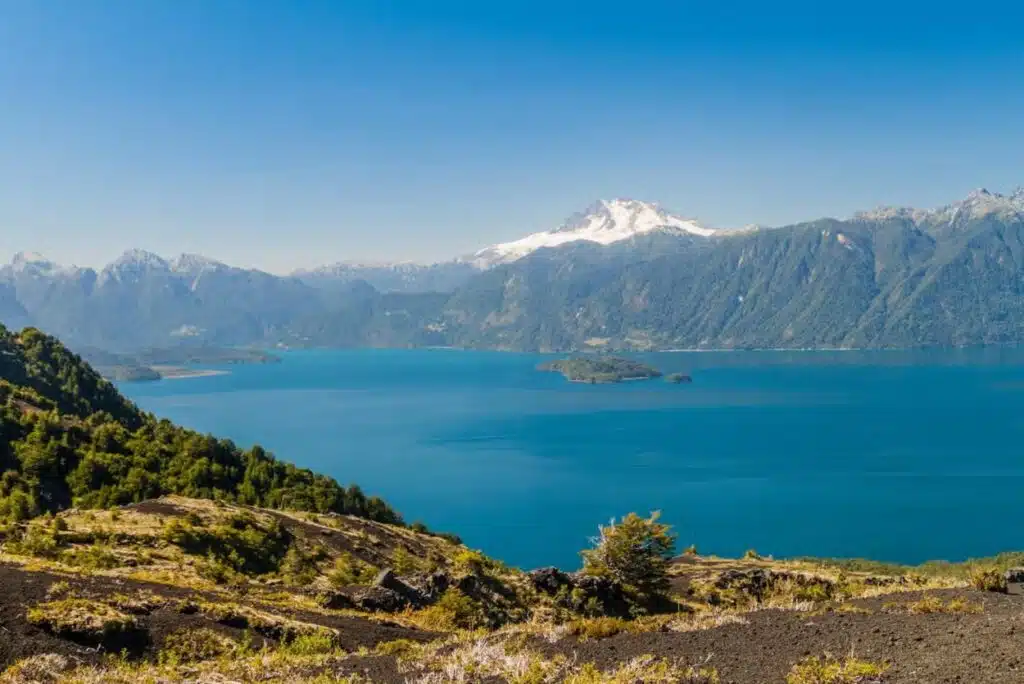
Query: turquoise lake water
901	456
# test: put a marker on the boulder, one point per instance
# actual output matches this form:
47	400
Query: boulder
335	600
1014	576
602	593
1014	580
379	599
549	580
582	593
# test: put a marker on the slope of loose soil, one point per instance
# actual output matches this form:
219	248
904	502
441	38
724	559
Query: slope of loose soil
20	589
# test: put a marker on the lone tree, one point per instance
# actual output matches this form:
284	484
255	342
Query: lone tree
635	551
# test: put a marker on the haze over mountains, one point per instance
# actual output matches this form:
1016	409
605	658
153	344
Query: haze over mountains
623	274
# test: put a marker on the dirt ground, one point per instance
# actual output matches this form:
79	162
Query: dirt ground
930	648
20	589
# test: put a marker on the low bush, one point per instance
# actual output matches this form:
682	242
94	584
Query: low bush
988	579
828	670
317	643
454	610
193	645
242	542
349	571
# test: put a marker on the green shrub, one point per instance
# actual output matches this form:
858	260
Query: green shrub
242	542
634	551
454	610
319	643
350	571
299	568
94	557
404	563
38	540
192	645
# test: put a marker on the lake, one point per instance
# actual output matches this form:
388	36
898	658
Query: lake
892	455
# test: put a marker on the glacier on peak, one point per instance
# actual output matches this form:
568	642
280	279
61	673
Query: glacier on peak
605	222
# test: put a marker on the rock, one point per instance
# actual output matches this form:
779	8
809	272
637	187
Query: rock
335	600
1014	580
379	599
754	582
582	593
602	593
436	584
549	580
414	596
388	579
1014	575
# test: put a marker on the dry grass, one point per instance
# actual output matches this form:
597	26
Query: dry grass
80	617
933	604
48	668
988	579
471	659
829	670
268	624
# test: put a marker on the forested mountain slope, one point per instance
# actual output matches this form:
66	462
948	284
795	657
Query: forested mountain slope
67	437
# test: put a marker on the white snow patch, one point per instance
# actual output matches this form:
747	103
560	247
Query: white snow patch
607	222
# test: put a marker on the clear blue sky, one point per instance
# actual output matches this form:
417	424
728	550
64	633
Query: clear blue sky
279	133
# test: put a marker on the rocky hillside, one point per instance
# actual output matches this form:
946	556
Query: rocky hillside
194	590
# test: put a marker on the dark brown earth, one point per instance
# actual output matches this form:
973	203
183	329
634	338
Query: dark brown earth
986	648
21	589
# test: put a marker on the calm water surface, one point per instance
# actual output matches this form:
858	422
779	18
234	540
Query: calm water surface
901	456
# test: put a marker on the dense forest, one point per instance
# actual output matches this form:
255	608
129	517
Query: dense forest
68	438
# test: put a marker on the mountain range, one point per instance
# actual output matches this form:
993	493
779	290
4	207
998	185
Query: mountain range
622	274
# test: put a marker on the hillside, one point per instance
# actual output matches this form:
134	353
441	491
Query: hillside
134	550
68	438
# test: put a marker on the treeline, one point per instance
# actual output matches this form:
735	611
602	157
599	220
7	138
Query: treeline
68	438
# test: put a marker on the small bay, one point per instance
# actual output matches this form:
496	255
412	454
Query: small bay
893	455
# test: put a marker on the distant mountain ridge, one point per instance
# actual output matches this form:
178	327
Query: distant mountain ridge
622	275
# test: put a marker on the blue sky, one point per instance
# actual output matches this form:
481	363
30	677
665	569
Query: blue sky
283	134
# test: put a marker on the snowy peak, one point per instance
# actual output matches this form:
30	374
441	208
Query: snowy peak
32	262
37	265
605	222
139	258
978	204
193	264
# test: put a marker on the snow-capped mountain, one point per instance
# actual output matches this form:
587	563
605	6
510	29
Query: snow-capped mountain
37	265
606	222
976	205
194	264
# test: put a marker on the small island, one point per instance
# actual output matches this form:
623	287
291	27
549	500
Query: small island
600	369
678	378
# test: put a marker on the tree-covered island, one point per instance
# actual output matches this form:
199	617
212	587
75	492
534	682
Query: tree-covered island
600	369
